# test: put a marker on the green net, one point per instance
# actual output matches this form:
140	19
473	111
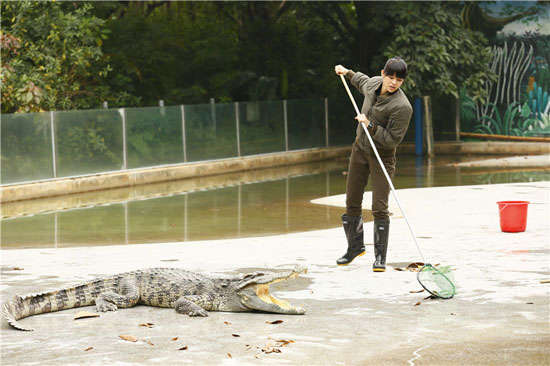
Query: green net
437	281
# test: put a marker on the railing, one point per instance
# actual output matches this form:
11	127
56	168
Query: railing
48	145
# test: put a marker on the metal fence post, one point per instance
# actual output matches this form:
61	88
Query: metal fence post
161	106
182	108
326	122
213	114
122	112
54	154
237	122
285	116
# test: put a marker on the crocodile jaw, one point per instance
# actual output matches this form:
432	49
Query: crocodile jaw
256	296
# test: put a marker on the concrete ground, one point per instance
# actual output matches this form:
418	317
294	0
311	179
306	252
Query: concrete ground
499	316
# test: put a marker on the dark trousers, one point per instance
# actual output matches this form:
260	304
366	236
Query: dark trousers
362	165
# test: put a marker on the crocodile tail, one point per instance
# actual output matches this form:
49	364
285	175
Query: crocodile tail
47	302
13	311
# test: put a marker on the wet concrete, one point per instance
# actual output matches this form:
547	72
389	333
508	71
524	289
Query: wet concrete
354	316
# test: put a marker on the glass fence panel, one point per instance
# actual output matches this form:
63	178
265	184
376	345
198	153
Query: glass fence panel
261	127
91	141
26	147
88	141
210	131
341	125
306	123
153	136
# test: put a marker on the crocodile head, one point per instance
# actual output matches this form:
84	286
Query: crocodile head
253	292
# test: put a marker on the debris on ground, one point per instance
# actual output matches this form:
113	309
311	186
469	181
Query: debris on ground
128	338
85	314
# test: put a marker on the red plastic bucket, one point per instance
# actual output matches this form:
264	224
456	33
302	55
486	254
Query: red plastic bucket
513	216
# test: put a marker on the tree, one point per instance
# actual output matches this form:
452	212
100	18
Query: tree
362	29
180	52
441	54
53	58
189	52
284	52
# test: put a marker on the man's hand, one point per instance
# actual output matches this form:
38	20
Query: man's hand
371	127
340	70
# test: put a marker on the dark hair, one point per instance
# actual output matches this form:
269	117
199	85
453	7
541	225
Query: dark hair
396	65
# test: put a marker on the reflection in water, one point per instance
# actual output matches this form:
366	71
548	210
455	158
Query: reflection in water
263	202
419	165
252	209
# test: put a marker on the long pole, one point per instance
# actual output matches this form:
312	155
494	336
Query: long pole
383	167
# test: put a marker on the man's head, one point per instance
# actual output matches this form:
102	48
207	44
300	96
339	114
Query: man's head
393	74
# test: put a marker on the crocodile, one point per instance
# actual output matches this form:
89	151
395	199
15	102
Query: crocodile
190	293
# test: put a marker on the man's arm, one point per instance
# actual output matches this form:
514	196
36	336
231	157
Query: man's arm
357	79
394	132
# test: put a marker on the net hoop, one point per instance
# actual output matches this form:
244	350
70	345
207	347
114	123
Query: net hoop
439	273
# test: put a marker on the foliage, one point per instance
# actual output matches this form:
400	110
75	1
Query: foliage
451	56
52	57
467	107
88	141
184	54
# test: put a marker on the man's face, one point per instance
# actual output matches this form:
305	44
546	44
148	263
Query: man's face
390	83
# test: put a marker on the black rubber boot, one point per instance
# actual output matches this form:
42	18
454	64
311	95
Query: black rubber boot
381	233
353	227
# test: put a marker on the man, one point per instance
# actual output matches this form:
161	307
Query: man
386	112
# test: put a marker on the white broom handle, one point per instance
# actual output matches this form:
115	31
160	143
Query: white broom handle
382	166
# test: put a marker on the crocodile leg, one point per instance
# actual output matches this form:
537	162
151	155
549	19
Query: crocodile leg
188	305
127	297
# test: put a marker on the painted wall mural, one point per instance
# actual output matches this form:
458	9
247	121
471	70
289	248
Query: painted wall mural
518	101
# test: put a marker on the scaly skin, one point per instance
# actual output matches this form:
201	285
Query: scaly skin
187	292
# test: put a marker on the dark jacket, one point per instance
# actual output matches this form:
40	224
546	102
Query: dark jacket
390	112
